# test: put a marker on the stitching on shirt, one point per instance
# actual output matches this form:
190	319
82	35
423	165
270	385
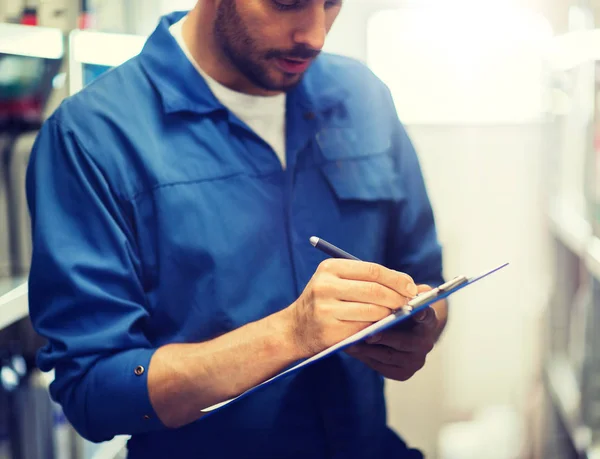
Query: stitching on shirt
183	182
135	196
67	131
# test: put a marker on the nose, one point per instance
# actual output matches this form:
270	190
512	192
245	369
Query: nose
311	30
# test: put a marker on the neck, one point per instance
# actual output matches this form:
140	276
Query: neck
199	37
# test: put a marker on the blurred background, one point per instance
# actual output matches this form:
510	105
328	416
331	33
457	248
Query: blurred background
501	99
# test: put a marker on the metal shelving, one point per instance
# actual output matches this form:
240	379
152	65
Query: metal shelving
14	307
571	228
13	301
577	268
114	449
592	257
567	398
575	233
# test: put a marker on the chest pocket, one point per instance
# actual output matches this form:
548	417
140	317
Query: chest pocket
357	169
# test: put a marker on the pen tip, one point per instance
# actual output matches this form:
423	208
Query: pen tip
314	241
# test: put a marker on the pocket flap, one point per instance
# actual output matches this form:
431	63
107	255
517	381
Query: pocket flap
368	178
342	143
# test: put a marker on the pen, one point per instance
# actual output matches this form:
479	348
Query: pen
336	252
330	249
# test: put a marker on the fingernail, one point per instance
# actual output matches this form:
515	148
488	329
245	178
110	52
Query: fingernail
422	315
412	289
374	339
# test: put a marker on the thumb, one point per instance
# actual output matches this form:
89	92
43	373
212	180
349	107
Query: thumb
421	316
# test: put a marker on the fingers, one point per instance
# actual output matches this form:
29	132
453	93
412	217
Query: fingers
360	312
427	318
423	288
399	341
393	373
368	292
402	372
401	283
420	338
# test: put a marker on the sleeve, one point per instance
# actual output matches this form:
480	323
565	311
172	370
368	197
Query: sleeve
413	245
85	292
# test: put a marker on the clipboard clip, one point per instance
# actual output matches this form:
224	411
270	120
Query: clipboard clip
432	294
452	284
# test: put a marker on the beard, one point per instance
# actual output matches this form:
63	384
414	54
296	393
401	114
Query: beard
241	49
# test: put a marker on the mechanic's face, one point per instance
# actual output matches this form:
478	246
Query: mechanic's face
273	42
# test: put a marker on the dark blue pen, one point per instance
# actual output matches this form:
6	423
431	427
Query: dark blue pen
336	252
331	249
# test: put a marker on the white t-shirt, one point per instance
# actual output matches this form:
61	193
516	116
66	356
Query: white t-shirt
265	115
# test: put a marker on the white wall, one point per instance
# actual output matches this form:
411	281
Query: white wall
472	97
10	9
447	66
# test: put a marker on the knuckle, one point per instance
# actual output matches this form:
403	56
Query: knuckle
404	278
403	375
373	312
428	346
320	289
419	363
327	265
375	292
374	271
322	309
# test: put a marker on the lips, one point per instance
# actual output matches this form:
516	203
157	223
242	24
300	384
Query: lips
293	66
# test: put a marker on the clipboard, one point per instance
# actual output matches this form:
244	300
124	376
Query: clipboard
416	305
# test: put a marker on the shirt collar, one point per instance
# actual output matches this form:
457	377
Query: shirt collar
181	88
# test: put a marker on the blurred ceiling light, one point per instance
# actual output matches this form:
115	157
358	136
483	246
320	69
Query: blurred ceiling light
461	63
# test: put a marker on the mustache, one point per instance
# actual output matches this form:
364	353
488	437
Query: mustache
300	52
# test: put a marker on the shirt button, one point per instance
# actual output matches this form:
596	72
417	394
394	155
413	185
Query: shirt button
139	371
146	417
309	116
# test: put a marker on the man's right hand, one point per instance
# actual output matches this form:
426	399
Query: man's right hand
344	297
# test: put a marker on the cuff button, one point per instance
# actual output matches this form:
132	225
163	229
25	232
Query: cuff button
139	371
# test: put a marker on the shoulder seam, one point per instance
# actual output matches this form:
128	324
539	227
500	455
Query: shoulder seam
65	130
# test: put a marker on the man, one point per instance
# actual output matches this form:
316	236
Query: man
172	204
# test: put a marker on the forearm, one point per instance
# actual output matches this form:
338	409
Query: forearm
184	379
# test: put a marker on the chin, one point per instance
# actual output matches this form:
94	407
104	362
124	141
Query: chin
285	83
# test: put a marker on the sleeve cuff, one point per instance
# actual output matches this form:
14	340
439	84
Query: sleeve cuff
117	399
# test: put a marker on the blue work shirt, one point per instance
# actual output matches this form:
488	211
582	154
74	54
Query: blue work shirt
159	217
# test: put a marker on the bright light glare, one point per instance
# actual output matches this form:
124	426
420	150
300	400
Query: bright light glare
101	48
31	41
474	64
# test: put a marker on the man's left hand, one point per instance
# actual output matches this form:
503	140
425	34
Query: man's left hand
400	353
